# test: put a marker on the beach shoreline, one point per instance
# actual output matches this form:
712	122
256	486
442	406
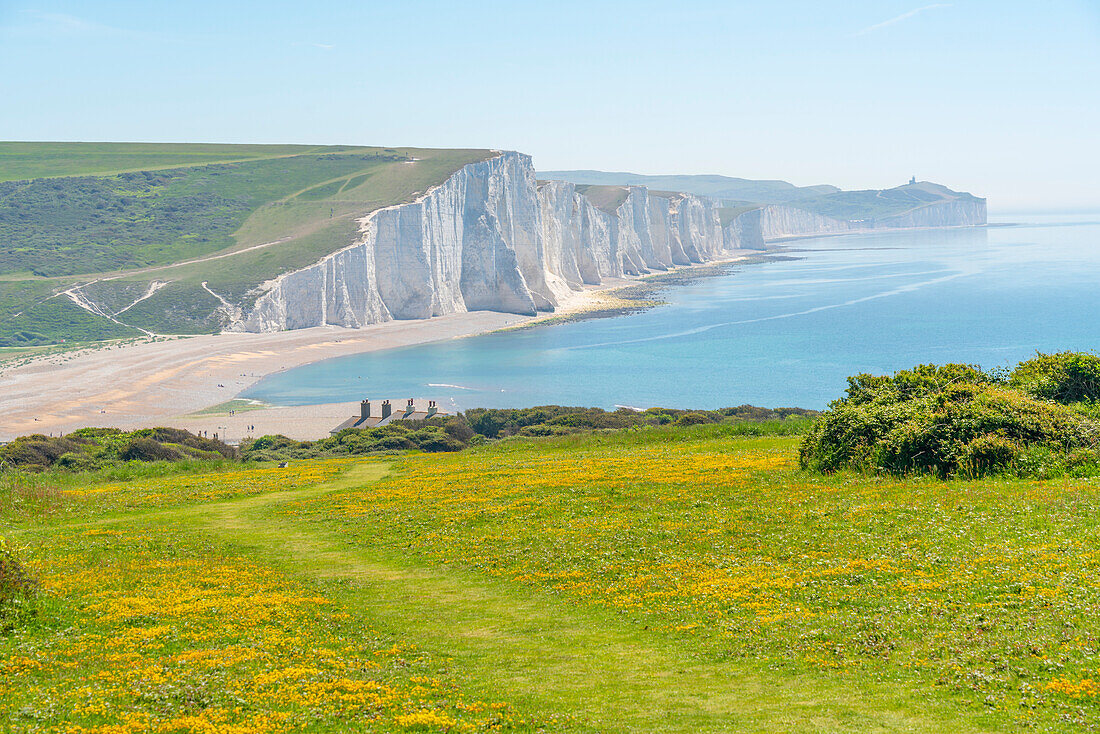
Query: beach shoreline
171	381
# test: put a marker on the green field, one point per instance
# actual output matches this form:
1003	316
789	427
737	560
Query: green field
117	220
654	580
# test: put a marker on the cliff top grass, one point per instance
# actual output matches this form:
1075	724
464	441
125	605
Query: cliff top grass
668	579
867	206
605	198
822	199
120	219
727	214
28	160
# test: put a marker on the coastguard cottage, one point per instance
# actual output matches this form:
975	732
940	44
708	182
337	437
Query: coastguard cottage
380	415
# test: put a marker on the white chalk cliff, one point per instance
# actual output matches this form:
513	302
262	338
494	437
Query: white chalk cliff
492	238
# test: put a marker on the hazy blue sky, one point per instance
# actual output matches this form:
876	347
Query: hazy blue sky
998	98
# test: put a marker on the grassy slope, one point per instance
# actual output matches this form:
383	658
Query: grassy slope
873	204
605	198
20	160
298	202
663	580
727	214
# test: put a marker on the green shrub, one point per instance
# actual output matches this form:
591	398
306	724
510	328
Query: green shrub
146	449
37	451
1065	377
693	418
500	422
949	421
89	449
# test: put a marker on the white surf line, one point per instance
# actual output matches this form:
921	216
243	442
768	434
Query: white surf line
815	309
155	286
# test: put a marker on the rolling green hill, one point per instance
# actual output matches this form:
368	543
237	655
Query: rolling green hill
716	187
825	200
148	228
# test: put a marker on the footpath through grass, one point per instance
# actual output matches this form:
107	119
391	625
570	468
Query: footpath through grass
659	580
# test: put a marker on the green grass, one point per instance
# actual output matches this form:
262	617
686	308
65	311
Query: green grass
19	160
661	580
237	405
727	214
119	216
605	198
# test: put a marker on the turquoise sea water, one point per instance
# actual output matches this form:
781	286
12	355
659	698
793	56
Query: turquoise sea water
784	333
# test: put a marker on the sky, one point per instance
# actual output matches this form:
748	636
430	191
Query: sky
1001	99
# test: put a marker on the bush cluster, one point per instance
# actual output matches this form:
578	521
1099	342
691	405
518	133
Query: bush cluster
94	448
554	420
1066	377
960	421
451	433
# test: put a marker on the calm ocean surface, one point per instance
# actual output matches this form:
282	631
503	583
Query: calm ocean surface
783	333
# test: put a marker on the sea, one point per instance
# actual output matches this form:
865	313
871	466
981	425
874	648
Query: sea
782	333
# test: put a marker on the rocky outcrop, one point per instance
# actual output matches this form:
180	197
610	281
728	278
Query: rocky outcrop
492	238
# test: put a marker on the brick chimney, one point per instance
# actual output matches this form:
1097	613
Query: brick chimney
364	410
386	408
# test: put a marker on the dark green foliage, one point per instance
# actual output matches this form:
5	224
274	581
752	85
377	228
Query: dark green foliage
450	433
949	421
547	420
907	384
94	448
17	588
57	320
178	308
38	450
146	449
1065	377
693	418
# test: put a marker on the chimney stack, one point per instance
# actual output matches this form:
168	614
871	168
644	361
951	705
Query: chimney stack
432	410
364	410
409	407
386	408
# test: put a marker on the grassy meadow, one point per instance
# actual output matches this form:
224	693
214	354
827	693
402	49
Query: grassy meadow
669	579
140	228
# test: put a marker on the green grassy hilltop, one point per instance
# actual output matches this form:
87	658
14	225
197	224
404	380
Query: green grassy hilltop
740	194
140	228
668	579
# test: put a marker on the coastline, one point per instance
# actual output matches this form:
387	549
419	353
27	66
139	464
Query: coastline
162	382
176	380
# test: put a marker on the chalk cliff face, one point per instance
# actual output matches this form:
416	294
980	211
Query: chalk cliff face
778	220
958	212
492	238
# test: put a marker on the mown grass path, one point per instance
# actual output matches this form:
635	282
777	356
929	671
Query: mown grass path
545	654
